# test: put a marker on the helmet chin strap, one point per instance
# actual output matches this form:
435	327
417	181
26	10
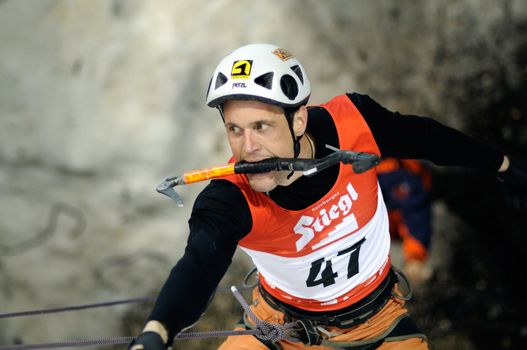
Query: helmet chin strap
289	115
220	109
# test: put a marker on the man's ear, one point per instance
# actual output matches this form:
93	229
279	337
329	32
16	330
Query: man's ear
300	121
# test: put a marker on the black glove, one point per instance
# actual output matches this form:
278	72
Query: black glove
148	341
515	183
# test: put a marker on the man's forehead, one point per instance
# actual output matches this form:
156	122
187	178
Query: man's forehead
251	104
247	112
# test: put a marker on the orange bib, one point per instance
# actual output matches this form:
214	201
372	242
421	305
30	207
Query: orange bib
334	252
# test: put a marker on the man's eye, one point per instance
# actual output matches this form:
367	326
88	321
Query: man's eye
261	126
234	129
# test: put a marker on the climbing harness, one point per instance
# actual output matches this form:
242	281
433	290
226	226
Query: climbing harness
315	328
347	318
360	162
404	288
246	284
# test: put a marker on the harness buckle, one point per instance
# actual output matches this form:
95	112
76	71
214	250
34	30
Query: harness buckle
309	335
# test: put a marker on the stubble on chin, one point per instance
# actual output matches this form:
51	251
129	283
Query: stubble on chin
260	183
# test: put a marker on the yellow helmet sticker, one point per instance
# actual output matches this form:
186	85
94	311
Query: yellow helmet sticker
241	69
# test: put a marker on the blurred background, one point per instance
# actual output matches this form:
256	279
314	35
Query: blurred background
102	99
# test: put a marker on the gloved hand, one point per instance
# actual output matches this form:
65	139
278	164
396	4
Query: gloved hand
147	341
515	183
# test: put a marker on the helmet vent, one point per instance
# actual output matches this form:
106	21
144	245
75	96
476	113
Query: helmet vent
265	80
289	86
220	80
298	71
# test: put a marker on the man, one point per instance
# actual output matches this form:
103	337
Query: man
321	244
405	186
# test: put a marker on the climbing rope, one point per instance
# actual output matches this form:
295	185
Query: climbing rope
69	344
74	308
245	285
264	330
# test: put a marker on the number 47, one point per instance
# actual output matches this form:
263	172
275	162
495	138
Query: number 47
327	277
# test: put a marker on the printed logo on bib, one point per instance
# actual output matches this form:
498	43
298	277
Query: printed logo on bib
308	226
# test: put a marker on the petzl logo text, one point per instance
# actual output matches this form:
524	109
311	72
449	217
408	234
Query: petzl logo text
241	69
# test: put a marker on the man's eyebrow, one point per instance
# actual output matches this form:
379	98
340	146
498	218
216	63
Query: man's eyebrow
256	122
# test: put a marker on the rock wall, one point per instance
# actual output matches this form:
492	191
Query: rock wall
101	99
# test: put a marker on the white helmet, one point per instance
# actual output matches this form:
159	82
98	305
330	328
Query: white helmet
259	72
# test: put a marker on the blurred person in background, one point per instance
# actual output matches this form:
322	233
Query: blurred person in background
321	244
405	186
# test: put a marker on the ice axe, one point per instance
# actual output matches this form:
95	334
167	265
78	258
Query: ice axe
360	162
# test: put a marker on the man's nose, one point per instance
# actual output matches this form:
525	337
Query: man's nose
250	142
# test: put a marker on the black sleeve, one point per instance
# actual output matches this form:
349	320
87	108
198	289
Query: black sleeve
415	137
220	218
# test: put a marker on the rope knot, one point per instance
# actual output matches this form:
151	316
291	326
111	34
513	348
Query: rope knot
270	331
